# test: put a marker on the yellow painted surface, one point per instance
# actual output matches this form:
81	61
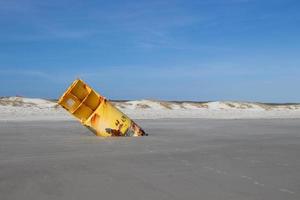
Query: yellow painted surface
97	113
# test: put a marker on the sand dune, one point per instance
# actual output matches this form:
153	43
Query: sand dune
20	108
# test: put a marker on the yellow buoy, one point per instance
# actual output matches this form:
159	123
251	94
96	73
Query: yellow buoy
96	112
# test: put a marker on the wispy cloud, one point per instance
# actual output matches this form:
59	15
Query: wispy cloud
15	6
24	72
42	20
35	74
145	21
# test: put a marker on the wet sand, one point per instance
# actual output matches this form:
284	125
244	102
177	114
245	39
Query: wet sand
180	159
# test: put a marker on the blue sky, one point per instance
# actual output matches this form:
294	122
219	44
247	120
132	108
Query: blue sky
173	50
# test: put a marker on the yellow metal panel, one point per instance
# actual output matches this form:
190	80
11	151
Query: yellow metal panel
97	113
70	102
80	90
83	112
93	100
